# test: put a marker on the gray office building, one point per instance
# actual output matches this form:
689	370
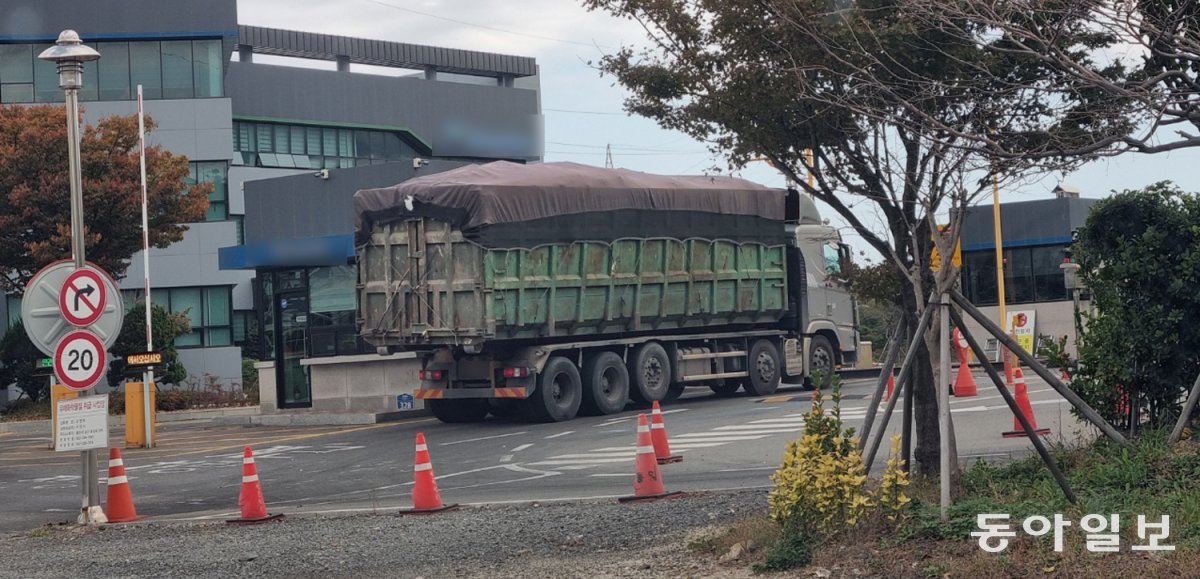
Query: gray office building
247	105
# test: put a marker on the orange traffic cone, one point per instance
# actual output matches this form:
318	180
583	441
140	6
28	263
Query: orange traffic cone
658	434
120	498
648	484
425	496
1064	375
891	387
964	384
254	508
1022	396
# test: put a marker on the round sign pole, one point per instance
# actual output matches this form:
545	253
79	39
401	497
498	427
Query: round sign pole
69	53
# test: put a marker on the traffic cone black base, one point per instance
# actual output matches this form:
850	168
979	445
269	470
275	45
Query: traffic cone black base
648	498
441	509
267	519
670	459
1021	433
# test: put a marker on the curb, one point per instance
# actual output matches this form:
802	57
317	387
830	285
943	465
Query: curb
117	422
319	418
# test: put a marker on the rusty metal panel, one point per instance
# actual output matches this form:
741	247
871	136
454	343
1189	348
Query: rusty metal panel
421	282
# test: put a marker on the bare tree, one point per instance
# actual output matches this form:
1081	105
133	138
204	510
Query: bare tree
892	110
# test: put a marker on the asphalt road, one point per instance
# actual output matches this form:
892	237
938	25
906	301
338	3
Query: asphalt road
195	472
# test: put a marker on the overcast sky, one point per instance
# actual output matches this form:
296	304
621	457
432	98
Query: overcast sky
583	110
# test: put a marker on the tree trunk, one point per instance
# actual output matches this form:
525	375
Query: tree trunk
927	450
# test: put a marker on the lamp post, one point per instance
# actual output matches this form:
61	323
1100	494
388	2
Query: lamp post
69	53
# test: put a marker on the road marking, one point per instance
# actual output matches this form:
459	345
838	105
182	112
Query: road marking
711	437
606	474
484	438
522	447
577	461
758	430
559	434
749	468
294	437
602	453
689	444
613	421
778	421
506	458
762	427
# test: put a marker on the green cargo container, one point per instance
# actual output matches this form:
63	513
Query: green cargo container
423	283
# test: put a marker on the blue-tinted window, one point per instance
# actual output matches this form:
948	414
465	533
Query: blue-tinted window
113	71
145	68
177	69
299	146
206	56
217	173
45	78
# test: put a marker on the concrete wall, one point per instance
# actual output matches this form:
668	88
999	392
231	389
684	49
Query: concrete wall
366	383
1054	319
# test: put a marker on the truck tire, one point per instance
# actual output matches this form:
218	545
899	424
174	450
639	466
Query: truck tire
765	369
455	411
674	391
649	373
605	384
559	392
820	358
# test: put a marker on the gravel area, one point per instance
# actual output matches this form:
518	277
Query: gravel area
588	539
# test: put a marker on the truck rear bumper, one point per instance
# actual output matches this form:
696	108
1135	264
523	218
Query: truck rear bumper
456	393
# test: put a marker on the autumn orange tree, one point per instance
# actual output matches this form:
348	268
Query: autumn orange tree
35	208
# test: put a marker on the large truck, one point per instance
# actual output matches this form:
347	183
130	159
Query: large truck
556	288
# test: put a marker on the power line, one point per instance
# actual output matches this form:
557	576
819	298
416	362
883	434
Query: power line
623	148
485	27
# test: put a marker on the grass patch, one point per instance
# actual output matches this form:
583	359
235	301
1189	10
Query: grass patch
1146	478
752	533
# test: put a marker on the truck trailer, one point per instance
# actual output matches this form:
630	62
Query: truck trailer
552	289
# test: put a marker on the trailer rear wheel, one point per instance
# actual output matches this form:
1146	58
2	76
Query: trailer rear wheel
605	384
649	373
559	392
764	368
464	410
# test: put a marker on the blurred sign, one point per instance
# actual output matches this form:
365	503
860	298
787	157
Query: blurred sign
144	359
404	401
935	257
81	424
1021	326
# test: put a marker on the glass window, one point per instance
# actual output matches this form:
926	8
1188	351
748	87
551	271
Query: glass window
91	80
979	277
297	141
1018	276
392	148
45	79
216	306
1048	282
243	136
16	63
266	306
217	173
263	143
187	300
345	142
114	71
282	143
314	143
329	141
377	148
177	69
16	93
14	310
833	264
145	68
332	288
207	61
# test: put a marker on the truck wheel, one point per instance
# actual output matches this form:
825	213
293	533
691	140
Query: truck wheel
820	360
674	391
725	388
649	373
764	368
605	384
559	392
454	411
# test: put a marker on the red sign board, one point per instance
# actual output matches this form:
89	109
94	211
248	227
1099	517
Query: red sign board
82	297
80	360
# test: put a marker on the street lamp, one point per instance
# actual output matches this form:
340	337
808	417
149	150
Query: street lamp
69	53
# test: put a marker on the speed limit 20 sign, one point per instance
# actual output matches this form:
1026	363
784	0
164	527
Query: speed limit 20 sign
80	360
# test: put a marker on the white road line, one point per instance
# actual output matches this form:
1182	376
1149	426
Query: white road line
1058	401
687	445
749	468
778	421
762	427
484	438
979	408
767	430
577	466
522	447
709	437
607	454
600	474
559	434
994	397
577	461
506	458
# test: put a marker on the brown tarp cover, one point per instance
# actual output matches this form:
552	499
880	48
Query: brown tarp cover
501	192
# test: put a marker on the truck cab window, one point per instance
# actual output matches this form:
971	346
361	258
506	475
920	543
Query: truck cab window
833	259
